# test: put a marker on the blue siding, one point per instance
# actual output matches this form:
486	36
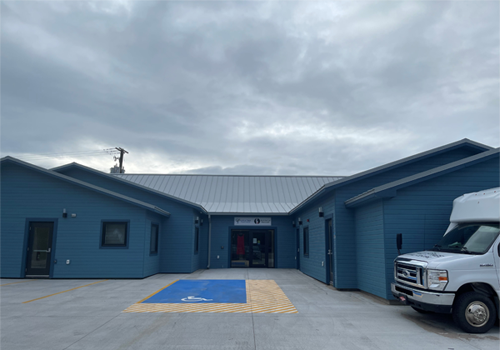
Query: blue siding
345	243
422	212
285	241
177	243
28	194
315	265
371	249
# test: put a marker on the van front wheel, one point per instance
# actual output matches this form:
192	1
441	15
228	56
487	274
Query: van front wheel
474	312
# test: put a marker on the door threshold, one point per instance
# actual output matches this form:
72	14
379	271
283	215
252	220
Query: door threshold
37	276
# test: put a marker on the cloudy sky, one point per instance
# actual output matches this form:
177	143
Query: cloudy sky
300	88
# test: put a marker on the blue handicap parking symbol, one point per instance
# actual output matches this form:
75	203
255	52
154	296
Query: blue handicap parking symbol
202	291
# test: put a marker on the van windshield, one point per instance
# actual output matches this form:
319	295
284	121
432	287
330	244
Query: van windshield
474	238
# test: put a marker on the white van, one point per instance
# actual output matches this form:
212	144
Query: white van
461	274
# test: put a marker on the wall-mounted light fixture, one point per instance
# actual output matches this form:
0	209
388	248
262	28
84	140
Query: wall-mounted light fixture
197	220
300	221
293	223
321	214
65	215
201	222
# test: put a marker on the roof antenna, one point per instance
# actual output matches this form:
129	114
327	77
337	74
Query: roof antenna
122	152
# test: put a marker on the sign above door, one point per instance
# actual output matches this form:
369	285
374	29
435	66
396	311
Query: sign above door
252	221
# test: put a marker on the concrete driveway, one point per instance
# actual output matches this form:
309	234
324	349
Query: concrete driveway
89	314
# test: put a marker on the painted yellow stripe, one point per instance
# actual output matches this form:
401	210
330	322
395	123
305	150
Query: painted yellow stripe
64	291
6	284
158	291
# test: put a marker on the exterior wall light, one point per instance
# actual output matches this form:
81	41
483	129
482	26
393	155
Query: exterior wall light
321	214
293	223
300	221
197	220
201	222
65	215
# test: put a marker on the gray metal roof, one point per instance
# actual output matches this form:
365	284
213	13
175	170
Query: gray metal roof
389	189
94	188
235	194
74	165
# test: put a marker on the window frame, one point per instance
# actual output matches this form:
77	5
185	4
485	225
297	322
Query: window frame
196	239
305	241
102	245
154	224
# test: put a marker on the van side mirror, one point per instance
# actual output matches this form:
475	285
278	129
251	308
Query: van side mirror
399	242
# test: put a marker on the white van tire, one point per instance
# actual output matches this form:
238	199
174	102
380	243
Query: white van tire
474	312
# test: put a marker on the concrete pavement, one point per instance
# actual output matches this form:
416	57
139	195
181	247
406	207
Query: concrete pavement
92	317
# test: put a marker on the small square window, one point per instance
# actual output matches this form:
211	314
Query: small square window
306	241
114	234
154	239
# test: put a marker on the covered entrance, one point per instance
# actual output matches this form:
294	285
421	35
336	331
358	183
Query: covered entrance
252	248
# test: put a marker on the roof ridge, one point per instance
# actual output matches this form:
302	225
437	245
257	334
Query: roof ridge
227	175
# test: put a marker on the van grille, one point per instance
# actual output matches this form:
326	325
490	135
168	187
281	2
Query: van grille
411	273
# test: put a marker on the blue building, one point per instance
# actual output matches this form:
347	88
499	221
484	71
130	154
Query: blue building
77	222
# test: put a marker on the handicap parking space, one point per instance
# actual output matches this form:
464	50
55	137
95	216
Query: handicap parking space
217	296
201	291
222	309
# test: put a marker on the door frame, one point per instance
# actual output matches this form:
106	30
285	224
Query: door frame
327	247
27	224
255	228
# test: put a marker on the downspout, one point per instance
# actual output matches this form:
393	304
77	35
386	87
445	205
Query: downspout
209	238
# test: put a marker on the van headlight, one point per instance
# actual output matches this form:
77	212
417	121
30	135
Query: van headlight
437	279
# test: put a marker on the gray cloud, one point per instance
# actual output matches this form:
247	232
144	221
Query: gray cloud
262	88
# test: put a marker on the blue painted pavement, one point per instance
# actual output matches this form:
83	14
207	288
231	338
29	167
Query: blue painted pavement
202	291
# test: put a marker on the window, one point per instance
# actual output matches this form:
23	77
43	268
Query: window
196	239
154	239
306	241
114	234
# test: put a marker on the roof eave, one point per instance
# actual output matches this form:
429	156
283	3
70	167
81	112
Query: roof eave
389	166
389	190
247	214
85	185
369	198
116	178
